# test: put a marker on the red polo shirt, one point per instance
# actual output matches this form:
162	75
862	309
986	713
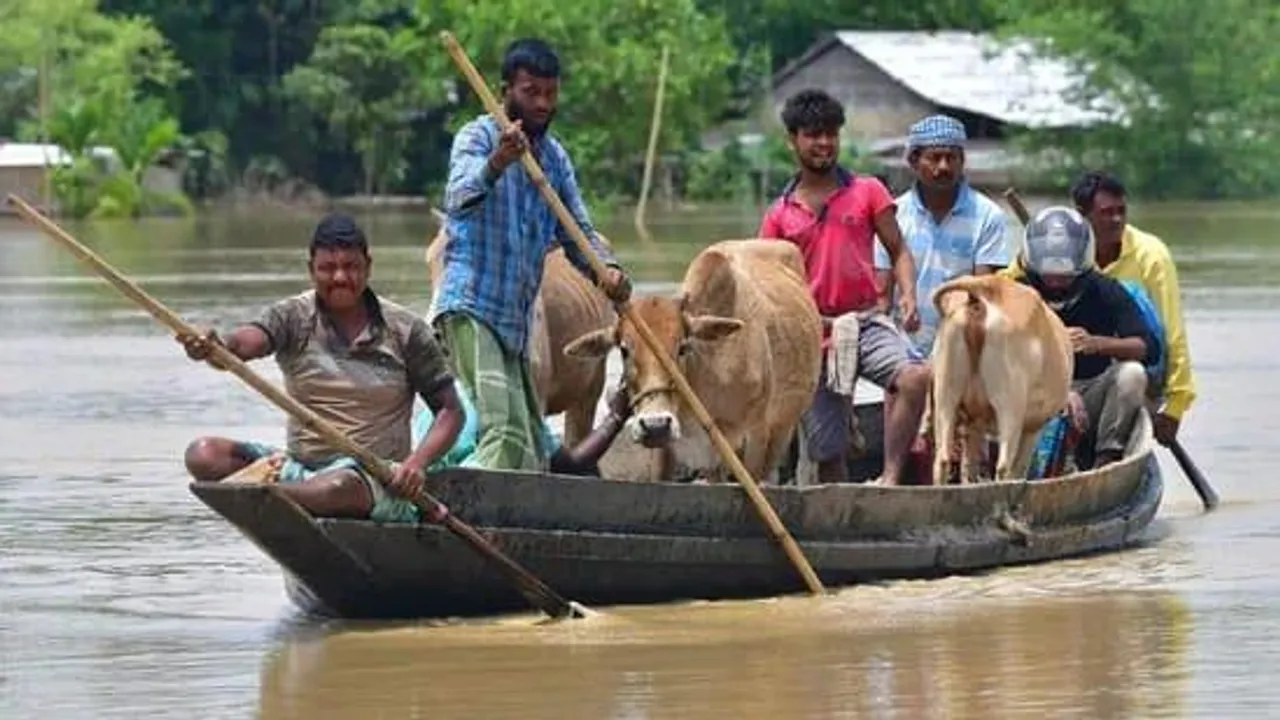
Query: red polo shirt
838	242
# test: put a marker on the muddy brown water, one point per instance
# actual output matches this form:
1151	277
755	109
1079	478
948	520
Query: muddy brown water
122	596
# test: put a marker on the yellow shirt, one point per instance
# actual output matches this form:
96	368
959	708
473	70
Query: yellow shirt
1145	260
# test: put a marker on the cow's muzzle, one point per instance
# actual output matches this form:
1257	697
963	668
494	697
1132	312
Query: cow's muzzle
655	430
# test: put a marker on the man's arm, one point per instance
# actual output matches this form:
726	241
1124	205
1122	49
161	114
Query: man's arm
272	333
429	376
1132	342
248	342
470	175
584	459
884	278
571	196
1162	286
904	266
275	331
884	290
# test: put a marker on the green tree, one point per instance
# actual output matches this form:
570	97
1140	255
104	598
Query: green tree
139	137
86	54
360	79
610	53
238	53
1198	86
93	68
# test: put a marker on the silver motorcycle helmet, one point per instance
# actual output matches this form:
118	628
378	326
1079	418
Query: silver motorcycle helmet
1058	241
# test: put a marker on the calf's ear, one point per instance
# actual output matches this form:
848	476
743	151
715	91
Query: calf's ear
596	343
710	328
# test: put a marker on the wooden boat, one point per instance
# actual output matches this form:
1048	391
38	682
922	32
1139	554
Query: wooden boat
615	541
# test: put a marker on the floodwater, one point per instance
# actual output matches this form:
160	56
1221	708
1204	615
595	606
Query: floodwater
122	596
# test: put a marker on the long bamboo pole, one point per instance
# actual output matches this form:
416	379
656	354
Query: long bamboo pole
655	127
740	472
532	588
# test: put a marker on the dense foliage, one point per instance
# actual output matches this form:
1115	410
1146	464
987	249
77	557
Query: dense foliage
357	96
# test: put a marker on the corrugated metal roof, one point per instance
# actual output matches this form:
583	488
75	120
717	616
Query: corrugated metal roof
26	155
971	72
20	155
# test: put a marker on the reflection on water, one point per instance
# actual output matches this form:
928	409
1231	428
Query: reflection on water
1115	655
122	596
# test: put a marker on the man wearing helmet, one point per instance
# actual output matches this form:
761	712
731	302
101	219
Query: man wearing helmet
1110	340
1131	255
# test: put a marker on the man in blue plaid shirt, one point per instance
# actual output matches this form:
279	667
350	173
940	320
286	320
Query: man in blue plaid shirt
499	231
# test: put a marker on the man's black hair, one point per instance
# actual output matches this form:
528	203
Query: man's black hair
532	55
338	231
1090	184
812	110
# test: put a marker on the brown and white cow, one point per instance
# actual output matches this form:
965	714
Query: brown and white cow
566	305
1002	363
746	334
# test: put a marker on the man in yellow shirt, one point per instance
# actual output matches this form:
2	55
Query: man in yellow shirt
1124	252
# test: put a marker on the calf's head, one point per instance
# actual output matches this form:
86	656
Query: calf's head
654	399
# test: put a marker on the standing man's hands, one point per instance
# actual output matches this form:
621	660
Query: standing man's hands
511	145
616	285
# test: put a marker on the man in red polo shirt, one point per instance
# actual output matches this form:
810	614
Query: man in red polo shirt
834	217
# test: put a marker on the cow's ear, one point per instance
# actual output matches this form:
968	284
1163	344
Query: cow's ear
710	328
596	343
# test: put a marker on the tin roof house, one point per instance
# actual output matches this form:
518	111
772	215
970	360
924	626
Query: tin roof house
26	171
888	80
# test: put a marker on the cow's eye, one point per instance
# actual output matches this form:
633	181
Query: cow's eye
683	348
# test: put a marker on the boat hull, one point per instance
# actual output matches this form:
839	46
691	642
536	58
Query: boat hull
611	542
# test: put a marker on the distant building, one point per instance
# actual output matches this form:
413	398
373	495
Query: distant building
24	168
889	80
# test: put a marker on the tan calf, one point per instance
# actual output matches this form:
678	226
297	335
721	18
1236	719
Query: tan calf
566	305
1002	363
746	334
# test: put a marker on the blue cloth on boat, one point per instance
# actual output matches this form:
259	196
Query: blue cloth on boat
1048	446
1157	363
465	445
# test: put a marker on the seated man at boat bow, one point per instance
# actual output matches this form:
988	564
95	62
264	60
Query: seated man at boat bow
1110	339
357	361
581	459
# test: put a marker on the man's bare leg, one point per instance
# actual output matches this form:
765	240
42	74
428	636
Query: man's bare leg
210	459
334	494
904	407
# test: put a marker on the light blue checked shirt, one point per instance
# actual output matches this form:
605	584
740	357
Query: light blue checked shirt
500	233
975	232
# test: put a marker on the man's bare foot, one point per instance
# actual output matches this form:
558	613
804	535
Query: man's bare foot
263	471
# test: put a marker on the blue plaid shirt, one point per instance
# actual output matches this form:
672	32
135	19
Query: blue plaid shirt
501	231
